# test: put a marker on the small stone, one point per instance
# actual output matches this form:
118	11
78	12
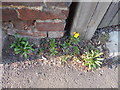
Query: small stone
14	64
100	74
44	58
103	32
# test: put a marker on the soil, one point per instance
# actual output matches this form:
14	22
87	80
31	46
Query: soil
39	75
40	72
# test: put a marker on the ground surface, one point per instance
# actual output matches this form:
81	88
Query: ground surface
44	76
36	74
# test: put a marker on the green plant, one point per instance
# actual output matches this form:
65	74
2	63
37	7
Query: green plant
71	43
65	58
53	47
74	40
90	47
65	46
76	50
76	59
21	45
92	59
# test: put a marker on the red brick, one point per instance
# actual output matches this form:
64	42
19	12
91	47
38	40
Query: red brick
39	34
24	33
9	14
65	12
55	34
32	4
49	26
28	14
23	25
33	34
58	4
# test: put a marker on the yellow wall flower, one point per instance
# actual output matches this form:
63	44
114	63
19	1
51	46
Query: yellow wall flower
76	35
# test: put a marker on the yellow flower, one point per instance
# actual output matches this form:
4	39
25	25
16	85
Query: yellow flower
76	35
74	32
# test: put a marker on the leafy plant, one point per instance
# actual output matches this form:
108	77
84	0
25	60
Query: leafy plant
53	47
90	47
65	46
74	40
21	45
76	50
92	59
65	58
76	59
71	43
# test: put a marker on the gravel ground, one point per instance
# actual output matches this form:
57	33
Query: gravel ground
44	76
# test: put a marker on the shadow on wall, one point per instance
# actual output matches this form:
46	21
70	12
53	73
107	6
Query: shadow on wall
70	18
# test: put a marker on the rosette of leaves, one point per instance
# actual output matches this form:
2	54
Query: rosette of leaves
22	46
92	59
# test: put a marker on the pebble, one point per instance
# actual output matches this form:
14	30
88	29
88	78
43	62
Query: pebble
100	74
103	32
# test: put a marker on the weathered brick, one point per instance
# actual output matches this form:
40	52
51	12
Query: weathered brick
65	12
58	4
23	16
33	34
23	25
39	34
28	14
9	14
31	4
50	26
55	34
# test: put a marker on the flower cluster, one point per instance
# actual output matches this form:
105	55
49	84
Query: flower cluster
76	35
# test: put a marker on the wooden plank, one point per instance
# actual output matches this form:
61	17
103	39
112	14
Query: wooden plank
109	15
0	34
0	42
96	19
88	17
82	17
115	20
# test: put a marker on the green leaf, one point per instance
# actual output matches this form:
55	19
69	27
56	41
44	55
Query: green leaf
98	62
23	42
100	58
25	55
98	54
17	52
16	49
12	45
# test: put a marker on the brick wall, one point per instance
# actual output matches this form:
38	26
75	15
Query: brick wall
35	19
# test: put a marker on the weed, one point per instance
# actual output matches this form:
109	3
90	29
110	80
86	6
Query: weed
42	49
76	59
65	46
53	47
21	45
76	50
92	59
71	43
65	58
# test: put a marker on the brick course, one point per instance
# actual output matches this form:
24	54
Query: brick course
33	34
35	19
50	26
28	14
